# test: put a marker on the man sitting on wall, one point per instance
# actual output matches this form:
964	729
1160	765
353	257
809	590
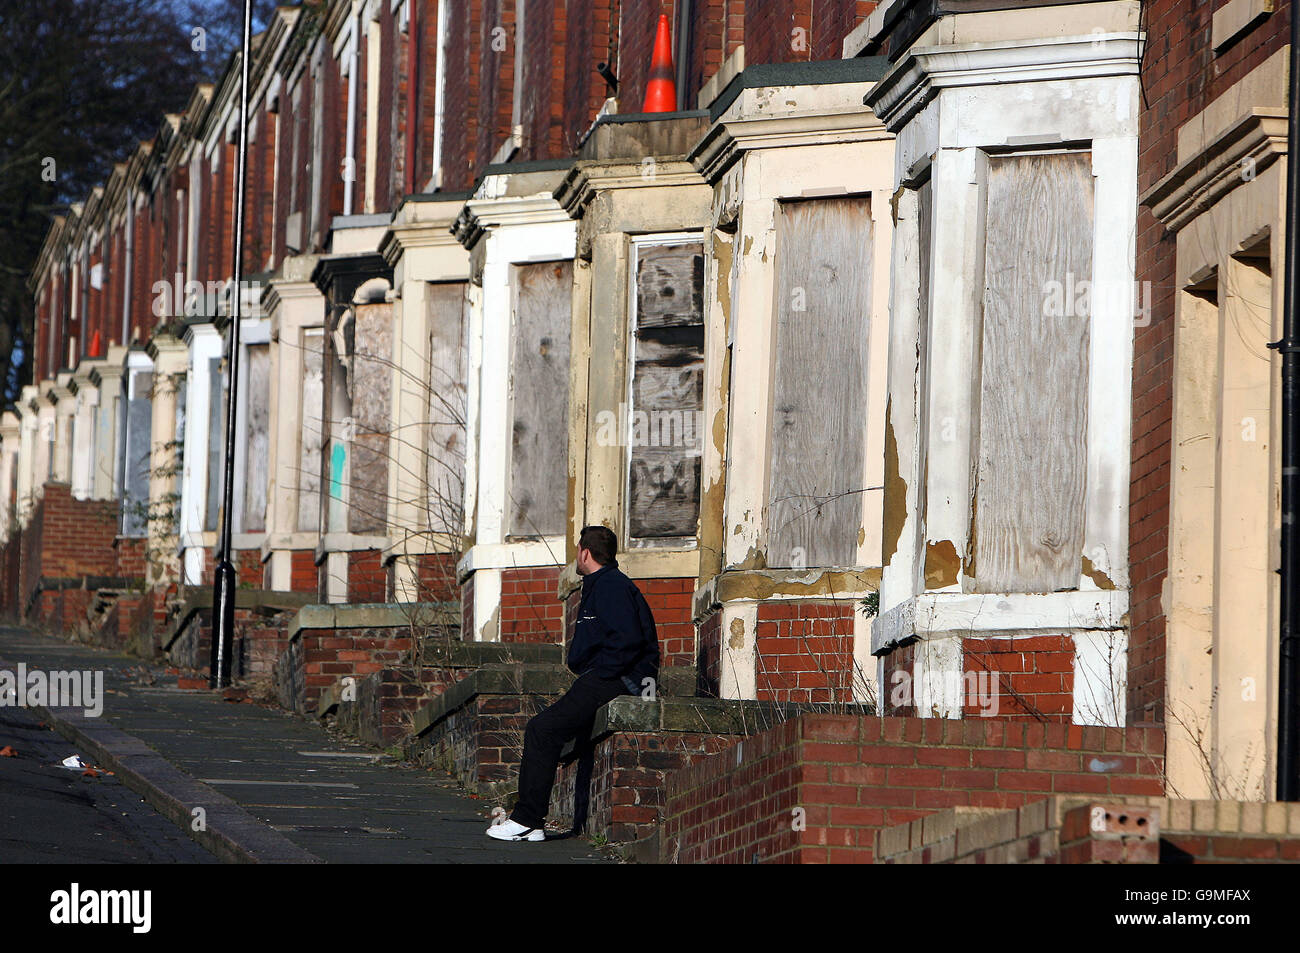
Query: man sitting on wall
614	650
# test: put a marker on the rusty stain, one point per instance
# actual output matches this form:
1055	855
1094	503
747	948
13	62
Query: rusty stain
893	203
767	583
1101	580
713	499
737	638
895	491
941	564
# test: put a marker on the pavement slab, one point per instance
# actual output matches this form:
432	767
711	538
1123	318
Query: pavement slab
284	789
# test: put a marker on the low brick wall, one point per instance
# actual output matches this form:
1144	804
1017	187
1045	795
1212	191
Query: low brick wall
636	744
804	651
817	788
530	610
328	643
261	634
475	729
1067	830
65	539
381	708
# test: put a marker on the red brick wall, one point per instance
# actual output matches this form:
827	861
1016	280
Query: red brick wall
851	775
464	55
1034	677
1181	76
302	572
709	658
130	557
328	655
387	151
467	610
436	573
589	41
805	651
65	539
670	601
627	779
496	80
530	611
367	577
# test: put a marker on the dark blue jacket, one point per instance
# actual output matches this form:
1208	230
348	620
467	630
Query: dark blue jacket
614	634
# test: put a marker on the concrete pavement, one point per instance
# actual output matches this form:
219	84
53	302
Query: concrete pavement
272	786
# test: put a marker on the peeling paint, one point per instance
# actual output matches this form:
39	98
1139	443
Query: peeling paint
1098	577
941	564
714	497
895	491
736	640
760	584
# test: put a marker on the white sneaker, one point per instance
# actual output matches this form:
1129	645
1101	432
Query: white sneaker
513	830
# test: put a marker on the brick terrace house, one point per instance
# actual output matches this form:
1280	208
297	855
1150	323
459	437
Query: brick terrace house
843	348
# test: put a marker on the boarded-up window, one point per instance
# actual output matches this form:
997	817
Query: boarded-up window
307	478
1029	497
256	394
539	398
819	400
216	433
448	313
136	449
667	391
372	385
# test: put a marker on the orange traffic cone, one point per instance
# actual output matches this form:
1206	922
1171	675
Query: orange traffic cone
95	344
661	91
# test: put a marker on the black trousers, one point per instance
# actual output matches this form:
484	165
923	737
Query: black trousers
571	717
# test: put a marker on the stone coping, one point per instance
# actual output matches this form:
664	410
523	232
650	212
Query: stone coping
685	713
373	615
977	828
196	599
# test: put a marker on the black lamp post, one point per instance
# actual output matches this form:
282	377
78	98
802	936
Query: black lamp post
223	592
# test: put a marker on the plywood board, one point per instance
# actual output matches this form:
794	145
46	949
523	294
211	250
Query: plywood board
667	392
820	394
1027	527
539	395
256	395
372	384
307	479
448	317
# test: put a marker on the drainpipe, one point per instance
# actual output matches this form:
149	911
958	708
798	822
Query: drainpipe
1288	694
683	51
354	59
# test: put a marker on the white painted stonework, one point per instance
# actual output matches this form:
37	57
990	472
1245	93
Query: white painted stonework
293	305
770	145
974	85
420	248
204	343
500	229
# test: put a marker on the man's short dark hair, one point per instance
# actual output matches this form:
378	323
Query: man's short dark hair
601	541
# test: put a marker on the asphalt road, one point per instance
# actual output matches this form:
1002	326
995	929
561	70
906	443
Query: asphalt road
49	814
